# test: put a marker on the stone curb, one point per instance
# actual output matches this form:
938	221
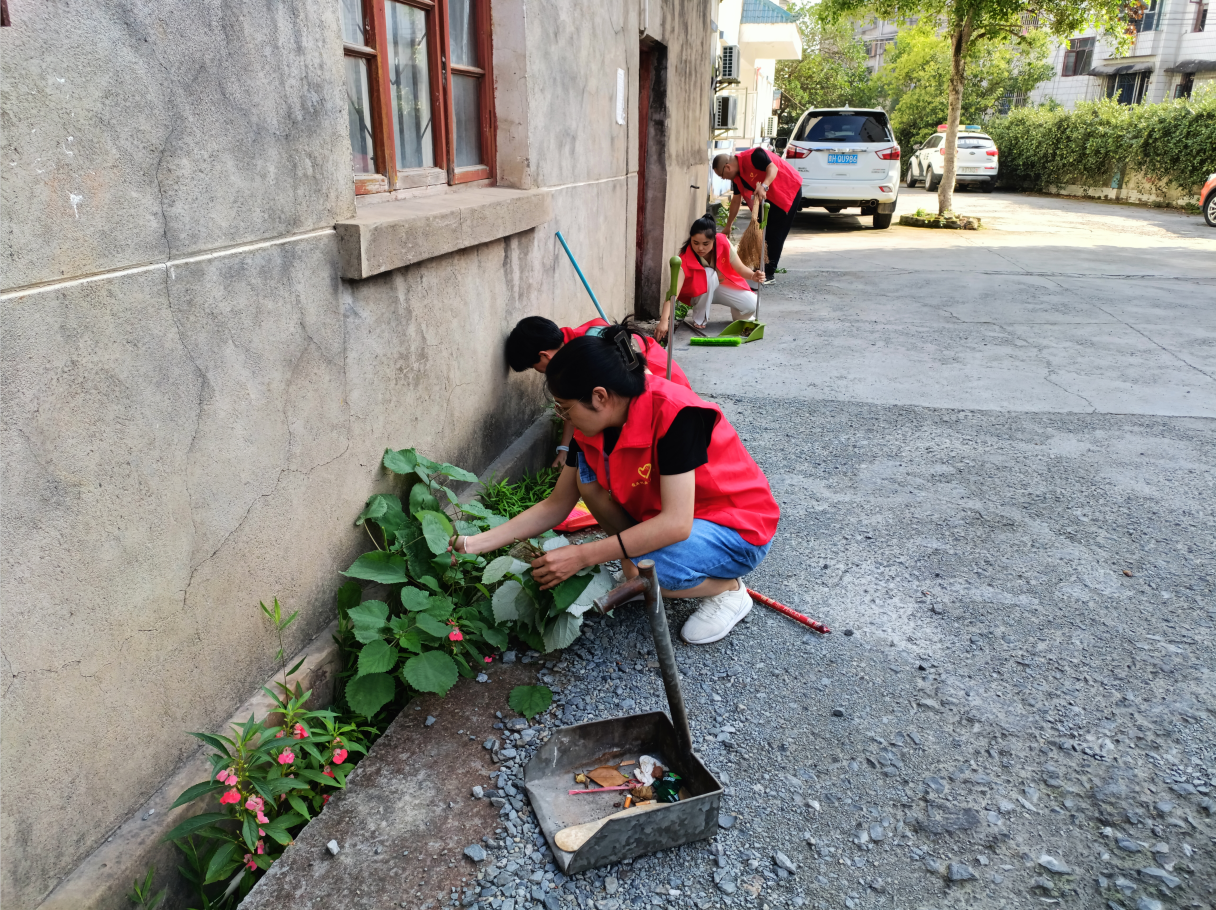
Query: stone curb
103	879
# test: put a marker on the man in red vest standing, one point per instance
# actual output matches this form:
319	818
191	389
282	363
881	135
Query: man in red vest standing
763	176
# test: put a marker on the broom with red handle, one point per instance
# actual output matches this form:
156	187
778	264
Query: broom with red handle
792	614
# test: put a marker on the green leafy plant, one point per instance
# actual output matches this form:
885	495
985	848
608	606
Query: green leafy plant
141	895
443	614
530	700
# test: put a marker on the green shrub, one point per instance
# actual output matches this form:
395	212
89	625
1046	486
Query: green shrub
1174	142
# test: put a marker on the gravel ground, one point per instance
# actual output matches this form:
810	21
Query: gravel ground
1015	707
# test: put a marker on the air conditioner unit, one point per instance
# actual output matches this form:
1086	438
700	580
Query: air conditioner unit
729	72
770	128
726	112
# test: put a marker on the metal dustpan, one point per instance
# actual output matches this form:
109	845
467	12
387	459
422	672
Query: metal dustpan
751	330
596	833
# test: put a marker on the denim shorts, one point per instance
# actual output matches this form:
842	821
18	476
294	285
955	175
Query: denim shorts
710	551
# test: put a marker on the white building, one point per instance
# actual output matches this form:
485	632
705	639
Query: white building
879	35
753	35
1174	51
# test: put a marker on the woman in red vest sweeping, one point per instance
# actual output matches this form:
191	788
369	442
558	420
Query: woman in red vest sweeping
665	474
767	177
712	274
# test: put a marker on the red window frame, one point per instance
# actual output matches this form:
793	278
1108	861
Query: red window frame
443	112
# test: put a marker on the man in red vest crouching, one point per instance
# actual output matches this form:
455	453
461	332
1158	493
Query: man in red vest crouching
535	339
770	178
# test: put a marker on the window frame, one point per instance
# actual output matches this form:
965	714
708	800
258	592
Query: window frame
443	113
1199	23
1077	53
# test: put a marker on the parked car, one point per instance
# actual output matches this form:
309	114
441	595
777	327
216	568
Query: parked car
847	158
1207	200
978	161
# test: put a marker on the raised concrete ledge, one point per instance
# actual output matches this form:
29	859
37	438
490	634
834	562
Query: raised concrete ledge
103	879
390	235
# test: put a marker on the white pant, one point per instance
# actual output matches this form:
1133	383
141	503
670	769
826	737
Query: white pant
742	303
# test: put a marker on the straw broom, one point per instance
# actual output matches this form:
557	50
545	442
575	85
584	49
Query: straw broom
751	245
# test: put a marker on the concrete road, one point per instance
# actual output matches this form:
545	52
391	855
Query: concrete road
1058	305
995	455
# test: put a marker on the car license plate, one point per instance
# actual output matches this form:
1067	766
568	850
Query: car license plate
968	170
842	159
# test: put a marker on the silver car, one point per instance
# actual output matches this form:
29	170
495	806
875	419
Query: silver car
977	163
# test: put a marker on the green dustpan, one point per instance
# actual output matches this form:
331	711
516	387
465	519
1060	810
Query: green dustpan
751	330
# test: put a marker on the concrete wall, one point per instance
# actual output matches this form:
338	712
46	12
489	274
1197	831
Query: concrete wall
195	404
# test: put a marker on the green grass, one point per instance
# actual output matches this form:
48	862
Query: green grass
510	499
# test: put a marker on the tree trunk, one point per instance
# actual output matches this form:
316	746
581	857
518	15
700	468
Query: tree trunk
959	39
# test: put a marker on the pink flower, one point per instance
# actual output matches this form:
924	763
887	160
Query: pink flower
261	833
230	797
279	735
286	757
255	804
262	819
261	847
455	635
299	732
340	756
324	799
250	862
329	773
489	660
226	777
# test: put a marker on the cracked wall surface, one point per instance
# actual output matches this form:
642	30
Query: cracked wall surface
186	434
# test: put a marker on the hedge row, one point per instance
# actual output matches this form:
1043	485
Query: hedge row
1174	141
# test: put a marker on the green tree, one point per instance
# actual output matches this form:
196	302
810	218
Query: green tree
968	23
914	81
832	70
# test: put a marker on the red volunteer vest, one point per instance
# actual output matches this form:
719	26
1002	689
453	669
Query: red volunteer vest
732	491
695	282
784	189
656	357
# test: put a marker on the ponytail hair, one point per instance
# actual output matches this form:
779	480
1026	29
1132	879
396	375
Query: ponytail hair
608	360
706	225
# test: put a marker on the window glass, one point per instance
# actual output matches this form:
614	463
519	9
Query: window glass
934	142
409	79
844	128
466	100
354	30
974	142
463	32
358	107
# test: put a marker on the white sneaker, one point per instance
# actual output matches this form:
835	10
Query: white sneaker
717	616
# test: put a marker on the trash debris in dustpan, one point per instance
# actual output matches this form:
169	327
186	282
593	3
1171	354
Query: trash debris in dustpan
640	792
645	772
607	776
604	789
667	790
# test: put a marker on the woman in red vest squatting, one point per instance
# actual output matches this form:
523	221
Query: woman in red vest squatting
767	177
712	274
666	476
535	339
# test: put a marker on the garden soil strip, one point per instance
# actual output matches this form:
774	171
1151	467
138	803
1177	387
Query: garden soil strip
410	795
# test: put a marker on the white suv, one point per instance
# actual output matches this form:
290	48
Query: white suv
847	158
976	163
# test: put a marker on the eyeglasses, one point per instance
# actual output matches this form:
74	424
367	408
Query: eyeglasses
563	413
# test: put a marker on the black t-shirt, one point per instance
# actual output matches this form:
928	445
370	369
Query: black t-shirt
683	448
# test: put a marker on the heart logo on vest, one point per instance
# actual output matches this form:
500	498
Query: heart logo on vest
644	472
